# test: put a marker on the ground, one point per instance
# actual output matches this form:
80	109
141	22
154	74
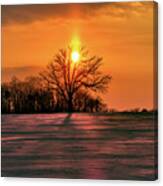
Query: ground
90	146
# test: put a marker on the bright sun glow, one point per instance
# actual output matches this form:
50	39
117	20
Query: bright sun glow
75	56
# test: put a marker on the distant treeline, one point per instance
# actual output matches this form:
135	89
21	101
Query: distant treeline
33	95
134	110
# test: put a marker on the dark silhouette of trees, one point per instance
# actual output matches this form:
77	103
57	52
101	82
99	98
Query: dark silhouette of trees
5	98
70	80
84	102
64	86
34	96
28	96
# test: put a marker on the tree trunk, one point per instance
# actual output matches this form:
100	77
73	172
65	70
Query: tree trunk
70	104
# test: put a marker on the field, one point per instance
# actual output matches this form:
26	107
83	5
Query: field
90	146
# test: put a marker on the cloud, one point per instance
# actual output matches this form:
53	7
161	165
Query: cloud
22	14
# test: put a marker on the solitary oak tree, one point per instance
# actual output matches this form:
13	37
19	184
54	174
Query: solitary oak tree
71	72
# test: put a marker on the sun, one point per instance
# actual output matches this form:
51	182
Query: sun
75	56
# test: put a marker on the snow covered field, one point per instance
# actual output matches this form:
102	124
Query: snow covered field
91	146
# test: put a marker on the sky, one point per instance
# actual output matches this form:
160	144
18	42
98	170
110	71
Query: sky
122	33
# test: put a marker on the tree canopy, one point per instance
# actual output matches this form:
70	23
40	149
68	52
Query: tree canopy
67	78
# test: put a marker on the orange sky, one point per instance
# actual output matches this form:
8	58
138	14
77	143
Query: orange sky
122	33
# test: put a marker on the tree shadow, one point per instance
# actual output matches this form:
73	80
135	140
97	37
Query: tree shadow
67	119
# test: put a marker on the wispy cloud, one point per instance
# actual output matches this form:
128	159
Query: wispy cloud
23	14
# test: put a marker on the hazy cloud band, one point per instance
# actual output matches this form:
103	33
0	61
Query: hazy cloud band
22	14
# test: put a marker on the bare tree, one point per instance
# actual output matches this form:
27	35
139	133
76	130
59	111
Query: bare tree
67	78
